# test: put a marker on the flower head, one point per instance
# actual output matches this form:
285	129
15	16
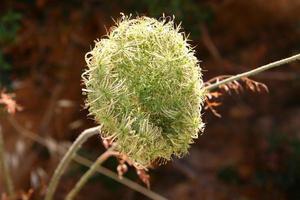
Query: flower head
144	85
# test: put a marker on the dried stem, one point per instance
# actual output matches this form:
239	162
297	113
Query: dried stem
48	115
4	169
252	72
68	158
125	181
210	45
83	180
85	162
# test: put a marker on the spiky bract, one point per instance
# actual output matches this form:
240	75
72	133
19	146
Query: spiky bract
144	86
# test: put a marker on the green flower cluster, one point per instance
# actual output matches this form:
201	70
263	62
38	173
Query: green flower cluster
144	85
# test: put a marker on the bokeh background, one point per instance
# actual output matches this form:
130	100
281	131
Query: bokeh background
252	152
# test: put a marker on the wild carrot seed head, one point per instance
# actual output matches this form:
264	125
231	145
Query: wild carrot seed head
144	85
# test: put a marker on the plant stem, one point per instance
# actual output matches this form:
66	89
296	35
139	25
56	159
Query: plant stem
88	174
83	161
252	72
4	169
129	183
62	166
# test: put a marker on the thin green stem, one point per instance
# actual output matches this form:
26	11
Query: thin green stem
88	174
252	72
85	162
64	163
125	181
4	169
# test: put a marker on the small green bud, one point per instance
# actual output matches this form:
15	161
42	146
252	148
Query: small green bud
144	85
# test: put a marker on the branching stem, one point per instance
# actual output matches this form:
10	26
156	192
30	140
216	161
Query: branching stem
68	158
125	181
83	161
88	174
252	72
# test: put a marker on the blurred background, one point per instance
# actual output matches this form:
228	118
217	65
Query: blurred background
252	152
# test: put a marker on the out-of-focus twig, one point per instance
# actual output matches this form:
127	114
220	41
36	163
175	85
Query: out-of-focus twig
211	47
251	72
4	168
186	169
46	119
27	133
